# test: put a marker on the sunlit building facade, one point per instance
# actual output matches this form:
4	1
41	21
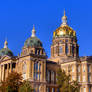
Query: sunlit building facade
34	65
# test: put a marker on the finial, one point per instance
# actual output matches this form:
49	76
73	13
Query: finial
64	12
33	27
64	19
33	32
5	44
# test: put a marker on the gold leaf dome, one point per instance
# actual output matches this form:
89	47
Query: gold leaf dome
64	30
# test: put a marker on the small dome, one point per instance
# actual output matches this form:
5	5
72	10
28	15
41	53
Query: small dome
33	42
6	51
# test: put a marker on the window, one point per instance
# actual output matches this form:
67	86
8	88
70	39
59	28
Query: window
39	67
36	75
84	79
5	66
83	68
48	75
58	90
38	52
78	78
39	76
66	49
24	67
60	49
67	40
72	68
84	90
36	71
89	89
52	76
89	78
13	65
78	68
89	68
72	77
36	66
24	76
72	49
35	51
48	89
53	90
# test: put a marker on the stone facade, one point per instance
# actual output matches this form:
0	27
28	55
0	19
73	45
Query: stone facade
34	66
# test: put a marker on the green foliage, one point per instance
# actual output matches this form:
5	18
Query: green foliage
64	82
26	87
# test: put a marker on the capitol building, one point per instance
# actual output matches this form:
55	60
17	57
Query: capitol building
41	71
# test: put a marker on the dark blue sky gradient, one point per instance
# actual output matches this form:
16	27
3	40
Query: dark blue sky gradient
18	16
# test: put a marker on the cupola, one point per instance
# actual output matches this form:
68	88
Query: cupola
6	50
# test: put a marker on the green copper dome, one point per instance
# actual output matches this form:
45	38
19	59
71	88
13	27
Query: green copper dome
33	42
6	50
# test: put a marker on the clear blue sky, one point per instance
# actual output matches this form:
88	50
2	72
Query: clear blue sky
18	16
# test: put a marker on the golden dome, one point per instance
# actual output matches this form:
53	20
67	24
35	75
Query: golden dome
64	30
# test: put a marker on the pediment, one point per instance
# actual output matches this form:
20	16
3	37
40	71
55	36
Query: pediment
5	58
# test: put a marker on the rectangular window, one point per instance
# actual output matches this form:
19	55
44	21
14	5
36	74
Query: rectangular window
72	77
89	78
84	79
78	78
53	90
48	89
48	75
24	76
39	76
72	68
89	89
52	76
78	68
83	68
60	49
84	89
89	68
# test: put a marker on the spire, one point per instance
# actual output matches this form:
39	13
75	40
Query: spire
64	12
5	44
64	19
33	32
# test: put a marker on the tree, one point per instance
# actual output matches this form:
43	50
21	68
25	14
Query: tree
64	82
12	82
3	86
25	87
